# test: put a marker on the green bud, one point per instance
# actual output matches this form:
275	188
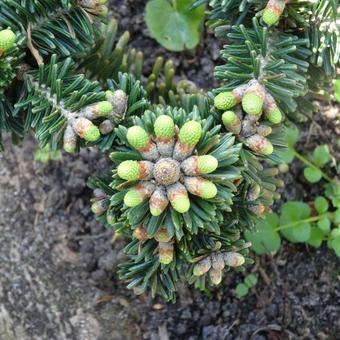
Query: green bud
274	116
207	164
164	127
208	190
225	101
190	133
128	170
137	137
7	40
92	134
104	108
181	204
270	17
132	198
229	117
252	103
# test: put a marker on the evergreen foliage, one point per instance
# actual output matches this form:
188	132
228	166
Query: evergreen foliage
190	169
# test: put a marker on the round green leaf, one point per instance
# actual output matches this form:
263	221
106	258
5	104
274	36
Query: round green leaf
250	280
336	218
321	204
312	175
265	239
324	225
335	233
335	244
333	192
173	24
294	213
337	89
321	155
241	290
316	237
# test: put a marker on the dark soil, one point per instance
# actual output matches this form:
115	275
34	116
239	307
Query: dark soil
57	272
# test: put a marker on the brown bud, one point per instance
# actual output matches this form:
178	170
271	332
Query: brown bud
215	276
158	202
233	259
70	140
166	252
140	233
202	267
162	235
106	127
217	261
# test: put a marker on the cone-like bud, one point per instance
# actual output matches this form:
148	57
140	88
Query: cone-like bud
85	129
200	187
98	194
178	197
202	267
140	140
257	209
133	170
70	140
233	259
273	11
158	202
189	135
106	127
231	122
198	165
254	192
217	261
166	252
140	233
227	100
110	218
162	235
100	206
260	145
7	40
253	99
264	130
138	194
166	171
119	100
271	110
101	109
215	276
249	126
165	131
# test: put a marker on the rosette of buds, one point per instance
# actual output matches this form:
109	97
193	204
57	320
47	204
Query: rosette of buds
107	111
175	176
170	169
242	111
215	263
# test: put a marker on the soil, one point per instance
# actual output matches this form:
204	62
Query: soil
57	272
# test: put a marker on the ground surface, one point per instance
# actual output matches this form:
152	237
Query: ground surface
57	264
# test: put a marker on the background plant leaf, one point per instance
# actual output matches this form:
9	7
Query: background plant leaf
321	205
321	155
312	175
295	212
316	237
174	25
265	239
